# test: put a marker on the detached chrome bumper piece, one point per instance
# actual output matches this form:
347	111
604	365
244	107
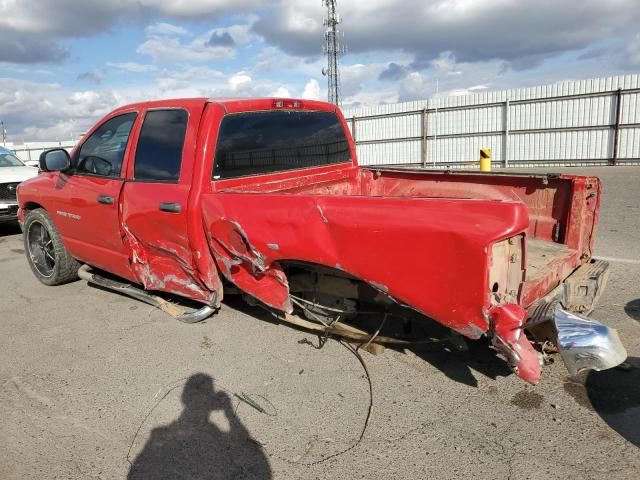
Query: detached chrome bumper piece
585	344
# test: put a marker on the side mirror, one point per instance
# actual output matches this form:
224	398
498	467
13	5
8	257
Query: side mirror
55	160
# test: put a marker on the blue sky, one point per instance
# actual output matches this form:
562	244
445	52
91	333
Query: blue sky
66	63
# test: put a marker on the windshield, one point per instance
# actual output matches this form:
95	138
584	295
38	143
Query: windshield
10	160
272	141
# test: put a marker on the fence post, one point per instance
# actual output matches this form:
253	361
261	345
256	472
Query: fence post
425	127
505	146
616	132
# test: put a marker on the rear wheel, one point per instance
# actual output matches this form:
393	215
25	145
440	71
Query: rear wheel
48	258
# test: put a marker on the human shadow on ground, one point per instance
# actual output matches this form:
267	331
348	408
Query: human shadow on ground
614	395
192	447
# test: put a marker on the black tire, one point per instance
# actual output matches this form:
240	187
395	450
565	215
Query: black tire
48	258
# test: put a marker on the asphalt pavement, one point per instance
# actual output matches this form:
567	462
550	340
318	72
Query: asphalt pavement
96	385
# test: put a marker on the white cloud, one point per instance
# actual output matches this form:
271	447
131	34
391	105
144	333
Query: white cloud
312	90
168	44
414	86
172	80
242	34
238	80
90	103
45	111
170	49
162	28
133	67
62	130
353	77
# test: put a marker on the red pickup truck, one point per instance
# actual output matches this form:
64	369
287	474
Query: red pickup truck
266	197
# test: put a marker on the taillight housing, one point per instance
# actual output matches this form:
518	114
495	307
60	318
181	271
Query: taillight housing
506	270
287	103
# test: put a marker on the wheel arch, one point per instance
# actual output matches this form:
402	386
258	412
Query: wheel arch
33	206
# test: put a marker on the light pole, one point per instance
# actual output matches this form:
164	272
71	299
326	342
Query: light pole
4	134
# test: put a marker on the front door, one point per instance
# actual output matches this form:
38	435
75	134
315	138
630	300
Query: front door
87	213
155	202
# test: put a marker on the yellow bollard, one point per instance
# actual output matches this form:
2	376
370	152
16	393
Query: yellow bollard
485	160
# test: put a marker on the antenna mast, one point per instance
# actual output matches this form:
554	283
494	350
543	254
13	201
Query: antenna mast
334	48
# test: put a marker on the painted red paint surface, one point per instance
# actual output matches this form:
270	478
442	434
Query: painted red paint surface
422	237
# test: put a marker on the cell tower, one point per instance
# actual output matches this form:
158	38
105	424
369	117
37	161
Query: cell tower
334	48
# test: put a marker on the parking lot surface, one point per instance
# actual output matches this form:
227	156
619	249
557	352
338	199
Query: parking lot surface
96	385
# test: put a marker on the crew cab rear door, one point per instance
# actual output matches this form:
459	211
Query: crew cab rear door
155	200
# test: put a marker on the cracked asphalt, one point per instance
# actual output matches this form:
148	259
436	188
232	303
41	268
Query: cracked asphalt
96	385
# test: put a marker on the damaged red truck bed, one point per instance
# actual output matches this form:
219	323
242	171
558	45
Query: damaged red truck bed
265	197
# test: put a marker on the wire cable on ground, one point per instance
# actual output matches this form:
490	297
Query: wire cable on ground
366	420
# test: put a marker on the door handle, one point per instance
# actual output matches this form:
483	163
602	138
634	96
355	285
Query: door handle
105	199
170	207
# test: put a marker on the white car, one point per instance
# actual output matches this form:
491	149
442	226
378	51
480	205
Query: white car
12	172
32	163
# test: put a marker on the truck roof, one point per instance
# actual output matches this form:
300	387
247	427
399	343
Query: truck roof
234	104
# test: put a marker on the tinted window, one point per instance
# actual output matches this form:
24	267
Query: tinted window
271	141
159	151
102	153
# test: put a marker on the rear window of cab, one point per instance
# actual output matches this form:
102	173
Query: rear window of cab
251	143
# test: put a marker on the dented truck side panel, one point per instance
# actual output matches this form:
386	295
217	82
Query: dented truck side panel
469	251
160	246
407	248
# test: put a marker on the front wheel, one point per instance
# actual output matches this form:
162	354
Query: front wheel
48	258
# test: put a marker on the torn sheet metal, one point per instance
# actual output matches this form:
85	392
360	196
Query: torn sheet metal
165	267
509	338
246	267
404	247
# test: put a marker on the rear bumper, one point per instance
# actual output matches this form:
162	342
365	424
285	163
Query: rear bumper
560	318
585	344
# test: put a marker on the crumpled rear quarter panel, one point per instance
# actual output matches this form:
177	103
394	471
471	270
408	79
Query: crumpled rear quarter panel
430	254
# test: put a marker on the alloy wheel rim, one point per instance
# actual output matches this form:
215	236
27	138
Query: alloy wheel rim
41	251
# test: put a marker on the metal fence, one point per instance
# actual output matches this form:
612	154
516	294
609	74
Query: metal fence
583	122
32	150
